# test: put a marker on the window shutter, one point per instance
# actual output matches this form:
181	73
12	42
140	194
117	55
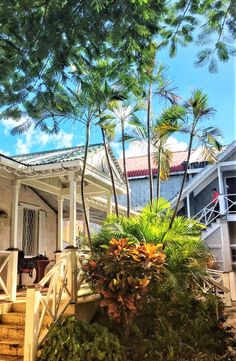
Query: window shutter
42	232
20	227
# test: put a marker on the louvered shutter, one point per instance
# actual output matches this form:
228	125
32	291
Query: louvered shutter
42	232
20	227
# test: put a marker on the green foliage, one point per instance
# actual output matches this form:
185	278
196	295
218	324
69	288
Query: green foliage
151	225
179	328
122	275
74	340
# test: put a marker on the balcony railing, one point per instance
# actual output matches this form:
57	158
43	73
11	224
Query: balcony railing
224	205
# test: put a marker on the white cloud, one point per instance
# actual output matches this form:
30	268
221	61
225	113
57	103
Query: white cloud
35	138
4	152
176	145
139	148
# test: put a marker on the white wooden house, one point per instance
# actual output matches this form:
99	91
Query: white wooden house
39	191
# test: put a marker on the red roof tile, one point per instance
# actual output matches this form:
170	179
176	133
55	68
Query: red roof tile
138	166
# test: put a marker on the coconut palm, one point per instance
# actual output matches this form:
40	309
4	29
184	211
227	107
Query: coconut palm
197	111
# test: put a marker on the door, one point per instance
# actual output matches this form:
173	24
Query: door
231	194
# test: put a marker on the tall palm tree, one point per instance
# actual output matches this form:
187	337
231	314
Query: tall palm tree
197	110
161	90
108	132
168	118
124	113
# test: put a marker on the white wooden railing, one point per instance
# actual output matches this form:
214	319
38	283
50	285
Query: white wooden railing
217	282
8	274
4	259
46	306
224	205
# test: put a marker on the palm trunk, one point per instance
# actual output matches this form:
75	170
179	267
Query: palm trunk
124	166
159	174
82	184
111	171
149	143
183	180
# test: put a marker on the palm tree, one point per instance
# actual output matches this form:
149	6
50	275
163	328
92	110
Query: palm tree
168	118
163	158
125	113
108	132
164	91
197	110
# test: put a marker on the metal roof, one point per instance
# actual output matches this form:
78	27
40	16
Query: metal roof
56	156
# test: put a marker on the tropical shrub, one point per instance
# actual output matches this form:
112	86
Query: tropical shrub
73	340
150	226
123	274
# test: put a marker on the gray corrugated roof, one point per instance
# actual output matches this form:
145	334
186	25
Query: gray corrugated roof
56	156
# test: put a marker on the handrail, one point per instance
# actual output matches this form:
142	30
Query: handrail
6	258
63	282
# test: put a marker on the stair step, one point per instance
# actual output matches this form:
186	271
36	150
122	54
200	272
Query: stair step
10	358
19	306
15	318
12	332
11	347
18	319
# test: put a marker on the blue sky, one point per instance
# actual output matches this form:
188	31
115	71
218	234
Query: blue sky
220	88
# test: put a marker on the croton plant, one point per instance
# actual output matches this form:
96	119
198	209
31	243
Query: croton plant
122	274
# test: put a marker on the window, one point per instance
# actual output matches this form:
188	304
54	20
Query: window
29	236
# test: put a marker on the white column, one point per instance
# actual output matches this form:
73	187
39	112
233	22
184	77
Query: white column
72	233
109	204
60	224
188	205
226	251
14	222
220	180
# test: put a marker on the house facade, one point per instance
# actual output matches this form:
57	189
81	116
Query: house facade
138	175
40	208
218	216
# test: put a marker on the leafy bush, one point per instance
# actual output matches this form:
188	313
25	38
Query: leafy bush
123	274
74	340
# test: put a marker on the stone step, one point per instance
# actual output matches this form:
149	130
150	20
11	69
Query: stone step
11	331
11	347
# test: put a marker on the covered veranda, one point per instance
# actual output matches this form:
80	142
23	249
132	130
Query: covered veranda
56	178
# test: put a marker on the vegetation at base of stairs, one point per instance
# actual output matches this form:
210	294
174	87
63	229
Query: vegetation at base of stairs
73	340
170	316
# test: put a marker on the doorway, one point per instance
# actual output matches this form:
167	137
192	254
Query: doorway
230	186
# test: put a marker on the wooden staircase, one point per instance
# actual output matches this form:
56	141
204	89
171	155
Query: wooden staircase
12	330
12	325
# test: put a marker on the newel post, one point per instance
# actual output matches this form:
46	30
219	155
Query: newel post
31	324
72	273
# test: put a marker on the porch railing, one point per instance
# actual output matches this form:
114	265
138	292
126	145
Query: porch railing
8	274
224	205
46	306
4	259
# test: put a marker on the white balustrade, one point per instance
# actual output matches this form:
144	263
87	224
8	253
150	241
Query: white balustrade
51	297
